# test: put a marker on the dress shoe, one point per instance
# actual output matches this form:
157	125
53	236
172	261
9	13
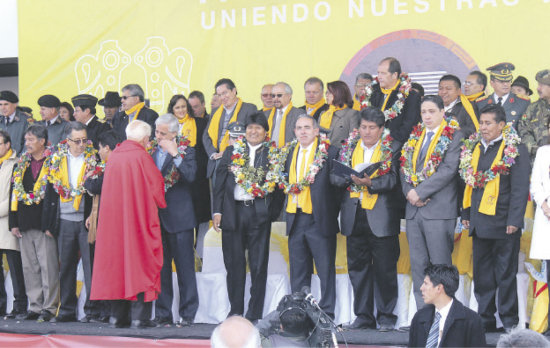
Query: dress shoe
44	316
360	324
185	322
142	324
14	313
117	323
386	328
30	315
62	319
163	322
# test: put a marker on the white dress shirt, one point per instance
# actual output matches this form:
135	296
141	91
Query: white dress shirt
74	165
504	97
486	146
444	314
240	194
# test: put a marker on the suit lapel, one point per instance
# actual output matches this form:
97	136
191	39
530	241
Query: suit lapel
164	164
454	313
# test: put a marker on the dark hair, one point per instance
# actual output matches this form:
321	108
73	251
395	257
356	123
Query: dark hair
417	86
453	78
364	75
227	82
197	94
109	138
39	131
5	136
495	109
73	126
173	102
313	80
84	107
437	100
69	107
446	275
341	93
372	114
481	78
295	321
257	118
395	66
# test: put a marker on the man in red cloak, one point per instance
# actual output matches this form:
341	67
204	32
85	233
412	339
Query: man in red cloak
128	255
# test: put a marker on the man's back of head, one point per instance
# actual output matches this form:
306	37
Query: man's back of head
235	332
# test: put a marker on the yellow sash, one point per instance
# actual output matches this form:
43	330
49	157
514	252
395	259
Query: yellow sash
369	200
418	145
43	171
489	200
136	108
266	109
387	93
315	106
6	156
326	117
470	110
473	97
304	197
214	127
282	126
356	104
64	171
189	129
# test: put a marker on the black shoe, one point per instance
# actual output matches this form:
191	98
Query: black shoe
163	322
88	319
386	328
14	313
360	324
63	319
142	324
103	319
184	322
30	315
44	316
117	323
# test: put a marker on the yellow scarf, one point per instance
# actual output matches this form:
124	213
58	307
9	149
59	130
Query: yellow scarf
418	145
470	110
326	117
356	104
368	200
304	198
282	126
473	97
315	106
214	127
387	93
136	108
189	129
6	156
43	172
64	172
489	200
266	109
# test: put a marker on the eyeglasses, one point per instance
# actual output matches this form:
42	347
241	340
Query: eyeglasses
124	97
360	86
265	95
79	141
277	95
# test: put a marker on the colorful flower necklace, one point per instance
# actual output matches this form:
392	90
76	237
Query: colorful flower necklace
248	177
480	178
39	191
346	154
403	93
173	175
407	153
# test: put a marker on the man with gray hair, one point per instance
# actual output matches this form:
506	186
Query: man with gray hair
522	338
282	118
235	332
128	255
133	108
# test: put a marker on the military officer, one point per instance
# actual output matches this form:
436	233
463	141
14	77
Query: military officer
13	120
49	110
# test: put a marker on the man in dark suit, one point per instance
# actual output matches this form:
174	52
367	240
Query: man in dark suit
444	321
133	108
372	230
111	104
177	223
244	216
495	222
311	219
315	97
49	110
84	112
384	96
458	106
282	117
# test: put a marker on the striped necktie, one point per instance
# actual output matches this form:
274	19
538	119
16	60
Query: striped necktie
433	336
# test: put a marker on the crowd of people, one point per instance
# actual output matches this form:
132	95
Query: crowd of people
351	162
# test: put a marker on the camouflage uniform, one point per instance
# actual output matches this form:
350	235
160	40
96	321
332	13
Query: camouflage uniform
533	126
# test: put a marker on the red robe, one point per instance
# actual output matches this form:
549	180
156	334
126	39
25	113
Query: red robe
128	251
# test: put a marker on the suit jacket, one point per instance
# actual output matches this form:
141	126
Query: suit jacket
56	131
200	188
291	118
94	128
441	188
179	214
343	122
120	121
16	129
324	196
384	218
318	112
7	240
401	126
458	112
246	110
267	208
512	198
463	327
515	106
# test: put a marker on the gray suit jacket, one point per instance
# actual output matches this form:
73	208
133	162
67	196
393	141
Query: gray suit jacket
16	129
515	106
441	188
343	122
291	118
55	131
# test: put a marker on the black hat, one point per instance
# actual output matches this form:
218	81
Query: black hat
84	99
9	96
258	118
49	101
111	100
522	82
235	129
502	71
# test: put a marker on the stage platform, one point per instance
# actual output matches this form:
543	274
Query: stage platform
14	333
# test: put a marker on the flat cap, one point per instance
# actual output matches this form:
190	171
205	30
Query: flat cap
49	101
543	77
84	99
502	71
235	129
9	96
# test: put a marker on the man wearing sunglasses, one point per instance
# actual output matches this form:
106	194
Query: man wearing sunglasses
133	108
282	118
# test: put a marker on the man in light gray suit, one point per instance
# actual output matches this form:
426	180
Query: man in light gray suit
432	201
282	118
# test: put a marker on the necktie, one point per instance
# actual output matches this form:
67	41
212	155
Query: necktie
433	336
426	145
277	126
302	164
499	101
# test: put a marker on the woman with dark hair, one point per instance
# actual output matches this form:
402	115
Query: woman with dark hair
66	112
340	119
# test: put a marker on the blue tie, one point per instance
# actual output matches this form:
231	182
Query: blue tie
426	145
434	332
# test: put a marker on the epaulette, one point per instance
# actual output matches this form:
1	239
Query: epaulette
482	98
31	119
523	97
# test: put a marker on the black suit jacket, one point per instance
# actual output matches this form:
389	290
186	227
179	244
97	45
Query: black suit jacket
401	126
463	327
459	113
120	121
324	196
201	188
267	209
318	112
95	128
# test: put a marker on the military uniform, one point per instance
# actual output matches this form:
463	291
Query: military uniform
56	125
94	126
16	128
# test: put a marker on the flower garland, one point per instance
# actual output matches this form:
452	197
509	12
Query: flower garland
349	145
480	178
318	161
402	94
36	195
173	175
248	177
55	175
97	171
435	159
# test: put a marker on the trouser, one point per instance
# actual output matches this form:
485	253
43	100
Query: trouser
178	247
251	234
306	245
124	310
372	268
41	270
17	281
430	242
